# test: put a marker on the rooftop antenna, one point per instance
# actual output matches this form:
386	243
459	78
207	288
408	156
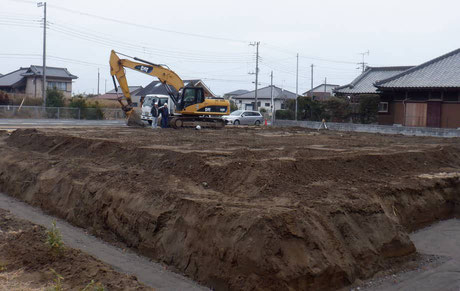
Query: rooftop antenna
363	64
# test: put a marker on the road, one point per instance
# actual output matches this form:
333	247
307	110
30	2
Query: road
440	239
147	272
42	123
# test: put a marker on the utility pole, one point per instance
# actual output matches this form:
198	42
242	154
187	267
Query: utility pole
98	77
271	97
44	87
256	44
325	83
312	66
297	87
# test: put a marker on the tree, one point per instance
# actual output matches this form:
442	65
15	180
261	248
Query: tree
337	109
54	98
310	109
233	106
87	110
368	108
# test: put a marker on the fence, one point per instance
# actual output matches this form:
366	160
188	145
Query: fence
372	128
39	112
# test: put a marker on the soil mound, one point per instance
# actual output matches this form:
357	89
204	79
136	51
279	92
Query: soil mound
241	209
23	250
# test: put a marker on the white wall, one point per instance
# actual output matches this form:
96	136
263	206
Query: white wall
243	103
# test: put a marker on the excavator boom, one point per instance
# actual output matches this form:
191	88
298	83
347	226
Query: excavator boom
166	76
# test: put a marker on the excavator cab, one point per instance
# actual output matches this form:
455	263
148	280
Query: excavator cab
191	96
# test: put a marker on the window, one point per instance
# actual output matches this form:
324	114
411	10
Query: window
62	86
383	107
267	104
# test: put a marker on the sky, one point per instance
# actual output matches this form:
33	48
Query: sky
211	40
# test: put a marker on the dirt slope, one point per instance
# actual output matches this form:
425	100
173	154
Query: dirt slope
26	262
241	209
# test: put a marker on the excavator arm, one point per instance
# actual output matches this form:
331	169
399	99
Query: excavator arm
117	70
192	107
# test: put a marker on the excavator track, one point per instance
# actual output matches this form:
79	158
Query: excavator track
192	121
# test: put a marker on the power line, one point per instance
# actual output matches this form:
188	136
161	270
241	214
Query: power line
147	26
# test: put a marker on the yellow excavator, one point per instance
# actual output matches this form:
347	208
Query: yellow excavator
191	106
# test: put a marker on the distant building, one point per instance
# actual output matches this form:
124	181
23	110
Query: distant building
231	95
364	83
425	95
29	81
321	92
156	87
247	101
112	94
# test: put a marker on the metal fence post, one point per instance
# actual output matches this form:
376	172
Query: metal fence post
79	113
59	113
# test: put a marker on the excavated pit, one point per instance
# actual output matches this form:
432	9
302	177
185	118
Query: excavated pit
242	209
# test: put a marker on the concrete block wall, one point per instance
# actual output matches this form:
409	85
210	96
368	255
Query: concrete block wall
372	128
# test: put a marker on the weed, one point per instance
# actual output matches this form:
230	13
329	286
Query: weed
2	266
54	239
57	282
92	286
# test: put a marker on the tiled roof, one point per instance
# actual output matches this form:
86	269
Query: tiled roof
442	72
50	72
131	90
320	88
237	92
12	78
364	83
265	93
17	76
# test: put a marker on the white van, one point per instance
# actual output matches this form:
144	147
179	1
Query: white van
151	99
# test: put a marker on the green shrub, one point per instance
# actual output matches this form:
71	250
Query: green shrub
54	98
87	110
284	114
233	106
368	108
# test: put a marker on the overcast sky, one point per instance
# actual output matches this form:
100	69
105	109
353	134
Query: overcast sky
209	40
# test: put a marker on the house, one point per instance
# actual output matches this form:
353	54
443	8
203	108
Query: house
231	95
156	87
112	94
321	92
246	101
425	95
364	83
29	81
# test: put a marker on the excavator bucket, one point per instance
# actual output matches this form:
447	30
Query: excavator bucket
134	119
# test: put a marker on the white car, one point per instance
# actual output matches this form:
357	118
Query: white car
244	117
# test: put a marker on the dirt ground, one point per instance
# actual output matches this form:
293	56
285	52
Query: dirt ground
242	208
26	262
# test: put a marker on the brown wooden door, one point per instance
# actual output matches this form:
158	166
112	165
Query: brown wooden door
415	114
433	111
